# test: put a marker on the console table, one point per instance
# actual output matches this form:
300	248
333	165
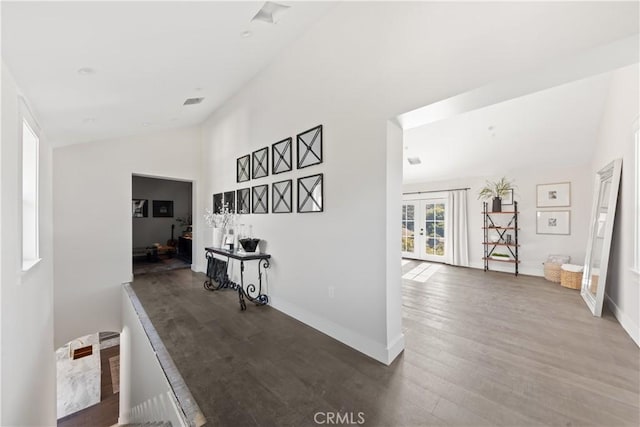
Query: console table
217	271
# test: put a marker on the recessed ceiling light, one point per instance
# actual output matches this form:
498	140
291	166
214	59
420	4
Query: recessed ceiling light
86	71
88	120
198	89
193	101
246	34
414	160
145	124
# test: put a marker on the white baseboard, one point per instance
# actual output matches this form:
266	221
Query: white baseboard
625	321
373	349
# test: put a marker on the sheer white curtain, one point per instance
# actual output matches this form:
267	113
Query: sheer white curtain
457	237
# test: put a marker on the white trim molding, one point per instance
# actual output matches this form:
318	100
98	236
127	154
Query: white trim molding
625	321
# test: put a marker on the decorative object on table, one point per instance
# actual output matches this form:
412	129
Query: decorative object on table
260	199
310	193
281	193
281	157
553	195
229	200
249	244
508	238
218	202
243	168
571	276
221	223
309	147
185	223
260	163
553	222
163	208
140	208
552	267
496	191
243	197
229	240
500	256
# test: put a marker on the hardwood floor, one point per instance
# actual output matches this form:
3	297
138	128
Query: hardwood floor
481	349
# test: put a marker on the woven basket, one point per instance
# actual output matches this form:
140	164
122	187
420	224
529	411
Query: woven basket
571	279
552	272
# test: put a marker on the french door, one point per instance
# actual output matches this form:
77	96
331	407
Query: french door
424	229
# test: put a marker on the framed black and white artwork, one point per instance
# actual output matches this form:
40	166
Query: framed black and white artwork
218	202
309	147
230	200
140	208
260	199
553	195
281	157
243	168
310	193
243	199
553	222
260	163
281	197
163	208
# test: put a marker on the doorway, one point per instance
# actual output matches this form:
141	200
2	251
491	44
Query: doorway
424	229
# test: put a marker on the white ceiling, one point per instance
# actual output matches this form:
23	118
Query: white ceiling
550	128
148	58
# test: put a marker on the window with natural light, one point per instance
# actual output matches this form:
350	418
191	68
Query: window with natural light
30	143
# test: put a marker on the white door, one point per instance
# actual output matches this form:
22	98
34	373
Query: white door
423	229
409	212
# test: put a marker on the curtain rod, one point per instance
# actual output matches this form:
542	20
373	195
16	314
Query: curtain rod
436	191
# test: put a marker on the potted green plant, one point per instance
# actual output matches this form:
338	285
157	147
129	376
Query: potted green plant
495	190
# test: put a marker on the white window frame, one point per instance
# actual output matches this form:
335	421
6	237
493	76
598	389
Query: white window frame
30	209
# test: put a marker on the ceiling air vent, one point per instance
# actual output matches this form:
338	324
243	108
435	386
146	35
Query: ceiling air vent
193	101
414	160
270	12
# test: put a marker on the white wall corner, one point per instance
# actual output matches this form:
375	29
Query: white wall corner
625	321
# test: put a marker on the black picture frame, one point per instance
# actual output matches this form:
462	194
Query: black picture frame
139	208
260	199
243	200
260	163
218	202
163	208
282	196
309	147
281	156
230	200
243	168
311	193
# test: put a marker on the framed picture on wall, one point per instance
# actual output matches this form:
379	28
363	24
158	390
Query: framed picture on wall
140	208
311	193
163	208
260	162
281	196
309	147
260	199
230	200
281	156
553	222
553	195
507	199
218	202
243	199
243	168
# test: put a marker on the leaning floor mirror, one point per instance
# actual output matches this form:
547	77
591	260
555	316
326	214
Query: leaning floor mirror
603	212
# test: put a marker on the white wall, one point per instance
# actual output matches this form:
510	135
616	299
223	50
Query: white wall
616	141
534	247
402	56
27	358
92	215
150	230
